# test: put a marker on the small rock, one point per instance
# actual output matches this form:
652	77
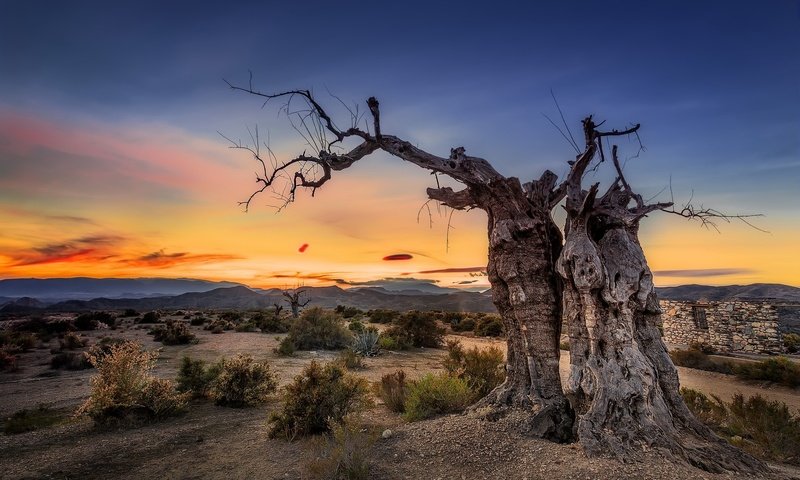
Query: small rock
387	433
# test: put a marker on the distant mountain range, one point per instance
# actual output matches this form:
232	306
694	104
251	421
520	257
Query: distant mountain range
150	294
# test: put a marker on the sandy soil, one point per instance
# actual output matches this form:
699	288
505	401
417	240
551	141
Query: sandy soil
217	442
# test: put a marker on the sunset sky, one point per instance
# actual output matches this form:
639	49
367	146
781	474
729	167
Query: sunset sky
112	163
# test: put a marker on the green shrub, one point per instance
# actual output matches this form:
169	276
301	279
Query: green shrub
174	332
703	347
388	342
418	329
344	454
125	392
233	316
270	322
436	394
465	325
791	341
348	312
350	360
318	397
393	390
197	321
764	428
694	358
243	382
23	342
319	329
779	370
365	343
482	369
355	326
564	345
151	317
489	326
382	315
197	377
30	420
246	327
286	348
219	325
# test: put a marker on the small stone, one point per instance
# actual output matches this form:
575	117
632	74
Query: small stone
387	433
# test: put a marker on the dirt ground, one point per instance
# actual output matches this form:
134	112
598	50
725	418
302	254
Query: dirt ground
224	443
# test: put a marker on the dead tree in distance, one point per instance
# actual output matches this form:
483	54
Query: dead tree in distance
536	276
293	298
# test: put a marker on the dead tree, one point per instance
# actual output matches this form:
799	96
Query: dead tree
293	298
618	355
277	309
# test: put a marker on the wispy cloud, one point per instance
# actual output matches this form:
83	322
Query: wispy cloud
88	248
160	259
703	272
452	270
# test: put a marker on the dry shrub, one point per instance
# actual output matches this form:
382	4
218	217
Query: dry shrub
243	382
72	341
482	369
350	360
318	397
382	315
695	358
286	347
174	332
8	361
791	341
344	454
125	392
70	361
436	394
393	390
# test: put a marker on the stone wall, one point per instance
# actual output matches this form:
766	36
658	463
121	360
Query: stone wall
729	326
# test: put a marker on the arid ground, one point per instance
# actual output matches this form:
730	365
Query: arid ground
226	443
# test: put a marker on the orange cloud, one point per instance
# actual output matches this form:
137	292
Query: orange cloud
160	259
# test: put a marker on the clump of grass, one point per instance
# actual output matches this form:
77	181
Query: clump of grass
317	398
482	369
393	390
343	454
695	358
764	428
29	420
243	382
286	348
436	394
124	392
350	360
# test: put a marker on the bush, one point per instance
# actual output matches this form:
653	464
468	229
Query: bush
343	454
218	326
703	347
393	390
270	322
436	394
418	329
124	392
243	382
286	348
481	369
92	320
489	326
779	370
233	316
246	327
72	341
319	329
197	321
23	342
348	312
365	343
30	420
174	332
694	358
316	398
350	360
196	377
791	341
356	326
129	312
564	345
8	361
382	315
764	428
70	361
465	325
151	317
388	342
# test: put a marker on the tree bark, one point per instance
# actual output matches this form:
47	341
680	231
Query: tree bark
622	384
524	244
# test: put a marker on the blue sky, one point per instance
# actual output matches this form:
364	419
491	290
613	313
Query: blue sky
714	83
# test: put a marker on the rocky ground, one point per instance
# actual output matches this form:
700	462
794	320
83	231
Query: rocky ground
217	442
